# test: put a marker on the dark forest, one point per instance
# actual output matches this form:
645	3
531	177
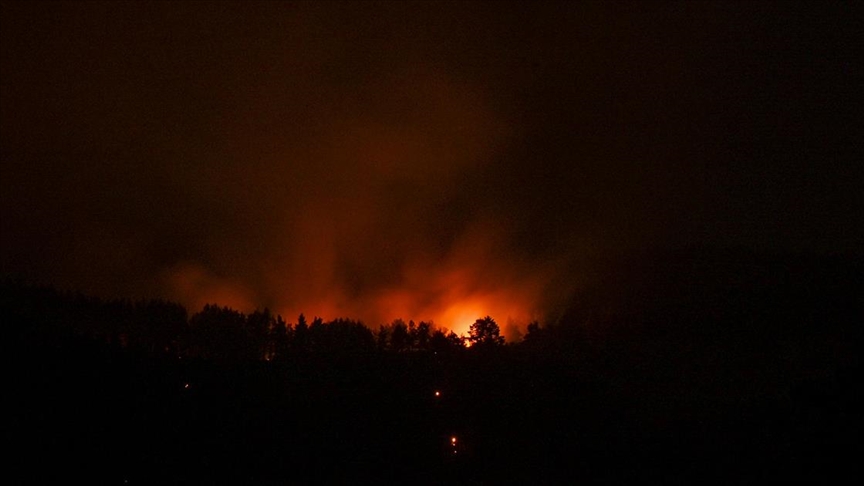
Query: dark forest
694	366
431	242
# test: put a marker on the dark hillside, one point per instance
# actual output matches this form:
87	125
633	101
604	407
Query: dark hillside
720	368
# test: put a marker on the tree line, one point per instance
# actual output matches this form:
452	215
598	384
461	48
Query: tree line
221	333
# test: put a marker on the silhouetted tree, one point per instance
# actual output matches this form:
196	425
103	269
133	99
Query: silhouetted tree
422	335
258	326
217	333
533	332
279	340
345	336
300	343
399	338
485	332
382	338
455	340
412	335
441	341
316	331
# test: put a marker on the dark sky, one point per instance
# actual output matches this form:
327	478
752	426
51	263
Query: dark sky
429	160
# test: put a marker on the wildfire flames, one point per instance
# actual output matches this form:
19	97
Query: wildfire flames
375	217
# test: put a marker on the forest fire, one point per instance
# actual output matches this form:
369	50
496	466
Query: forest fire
431	242
452	292
374	218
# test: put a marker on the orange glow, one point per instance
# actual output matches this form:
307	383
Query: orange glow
437	393
453	440
197	287
460	316
452	296
337	240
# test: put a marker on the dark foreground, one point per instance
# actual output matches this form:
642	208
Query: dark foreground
764	390
109	420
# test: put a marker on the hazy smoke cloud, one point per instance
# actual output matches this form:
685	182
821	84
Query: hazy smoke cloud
418	160
366	218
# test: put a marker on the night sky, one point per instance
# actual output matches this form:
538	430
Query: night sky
428	160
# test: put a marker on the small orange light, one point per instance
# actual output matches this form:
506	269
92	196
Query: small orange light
453	440
437	393
186	385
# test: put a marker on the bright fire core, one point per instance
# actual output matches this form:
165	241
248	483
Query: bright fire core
451	294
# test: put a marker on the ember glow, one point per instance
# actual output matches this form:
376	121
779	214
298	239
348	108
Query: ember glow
371	161
365	256
375	218
452	293
451	301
